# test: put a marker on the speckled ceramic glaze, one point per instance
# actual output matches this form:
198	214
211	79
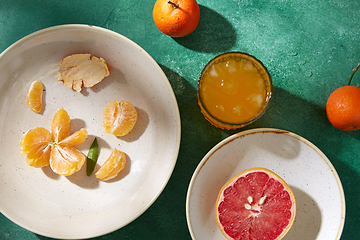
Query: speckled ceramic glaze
79	206
318	191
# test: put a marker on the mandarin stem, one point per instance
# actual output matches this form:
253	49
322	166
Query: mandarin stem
174	5
353	72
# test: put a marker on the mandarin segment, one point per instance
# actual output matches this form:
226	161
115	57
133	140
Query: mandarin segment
76	138
60	125
110	112
36	144
119	118
34	96
66	160
42	160
39	150
34	138
112	166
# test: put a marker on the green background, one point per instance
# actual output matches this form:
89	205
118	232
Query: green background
309	47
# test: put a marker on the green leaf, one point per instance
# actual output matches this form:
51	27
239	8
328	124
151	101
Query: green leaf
92	157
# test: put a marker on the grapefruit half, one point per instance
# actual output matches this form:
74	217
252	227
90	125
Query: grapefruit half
255	204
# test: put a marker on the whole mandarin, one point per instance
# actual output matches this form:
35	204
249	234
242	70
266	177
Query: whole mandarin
176	18
343	106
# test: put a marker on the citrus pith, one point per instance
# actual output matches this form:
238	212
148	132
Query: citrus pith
255	204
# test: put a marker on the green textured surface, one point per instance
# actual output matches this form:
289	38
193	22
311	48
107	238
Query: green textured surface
309	48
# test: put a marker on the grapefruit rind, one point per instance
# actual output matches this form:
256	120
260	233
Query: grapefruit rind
271	174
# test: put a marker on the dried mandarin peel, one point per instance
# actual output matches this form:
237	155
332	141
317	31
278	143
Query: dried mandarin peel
82	70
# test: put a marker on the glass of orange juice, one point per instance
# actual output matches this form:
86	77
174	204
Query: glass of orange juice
234	90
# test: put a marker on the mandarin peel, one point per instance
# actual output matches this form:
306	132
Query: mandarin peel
82	70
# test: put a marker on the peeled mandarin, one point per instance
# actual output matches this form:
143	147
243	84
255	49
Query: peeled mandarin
119	118
55	147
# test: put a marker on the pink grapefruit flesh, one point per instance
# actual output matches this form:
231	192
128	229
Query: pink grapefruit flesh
255	204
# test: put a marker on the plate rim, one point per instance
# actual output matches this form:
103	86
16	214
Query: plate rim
256	131
164	80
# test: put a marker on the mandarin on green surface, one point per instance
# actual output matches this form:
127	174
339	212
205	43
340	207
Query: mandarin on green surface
343	106
176	18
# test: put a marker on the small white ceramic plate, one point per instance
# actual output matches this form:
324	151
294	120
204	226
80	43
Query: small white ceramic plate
79	206
318	191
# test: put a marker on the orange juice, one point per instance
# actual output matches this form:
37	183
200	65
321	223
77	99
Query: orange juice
234	90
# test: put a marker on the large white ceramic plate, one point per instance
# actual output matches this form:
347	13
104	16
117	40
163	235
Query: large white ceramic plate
79	206
318	191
